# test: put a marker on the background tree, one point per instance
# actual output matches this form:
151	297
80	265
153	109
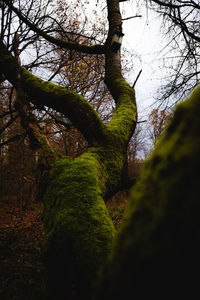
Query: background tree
181	58
17	163
158	120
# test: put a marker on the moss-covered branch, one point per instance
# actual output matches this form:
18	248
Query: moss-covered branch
124	120
74	106
70	103
157	250
95	49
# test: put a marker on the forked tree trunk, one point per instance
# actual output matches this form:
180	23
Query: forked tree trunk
78	230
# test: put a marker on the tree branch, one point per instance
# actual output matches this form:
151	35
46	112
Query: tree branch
95	49
177	19
128	18
69	103
136	79
12	120
10	112
124	118
10	140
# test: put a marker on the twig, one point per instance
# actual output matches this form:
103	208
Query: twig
137	79
137	16
12	139
144	121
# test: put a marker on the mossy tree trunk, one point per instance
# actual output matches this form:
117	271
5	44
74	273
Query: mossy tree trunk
78	230
156	253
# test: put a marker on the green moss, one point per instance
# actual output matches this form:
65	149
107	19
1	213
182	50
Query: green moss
117	132
79	232
68	102
125	116
46	87
49	154
112	160
157	250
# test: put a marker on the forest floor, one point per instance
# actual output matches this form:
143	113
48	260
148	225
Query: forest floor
22	273
21	236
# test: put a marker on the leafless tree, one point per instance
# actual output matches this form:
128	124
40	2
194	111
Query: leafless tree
181	54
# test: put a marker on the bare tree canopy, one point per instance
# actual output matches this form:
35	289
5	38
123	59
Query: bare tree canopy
181	25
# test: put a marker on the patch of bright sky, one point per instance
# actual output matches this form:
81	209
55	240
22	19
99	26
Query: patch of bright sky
144	38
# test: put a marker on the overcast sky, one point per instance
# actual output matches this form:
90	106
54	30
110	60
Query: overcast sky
143	36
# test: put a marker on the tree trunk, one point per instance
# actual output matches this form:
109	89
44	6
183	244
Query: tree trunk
78	230
156	253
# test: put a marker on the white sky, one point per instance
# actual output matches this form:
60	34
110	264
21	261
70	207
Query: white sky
143	36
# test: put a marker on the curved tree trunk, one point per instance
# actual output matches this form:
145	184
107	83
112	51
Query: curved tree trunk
78	230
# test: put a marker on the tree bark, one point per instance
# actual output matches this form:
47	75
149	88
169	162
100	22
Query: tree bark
156	253
78	230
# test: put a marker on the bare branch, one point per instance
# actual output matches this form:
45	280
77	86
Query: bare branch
10	122
137	16
95	49
137	79
12	139
70	103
